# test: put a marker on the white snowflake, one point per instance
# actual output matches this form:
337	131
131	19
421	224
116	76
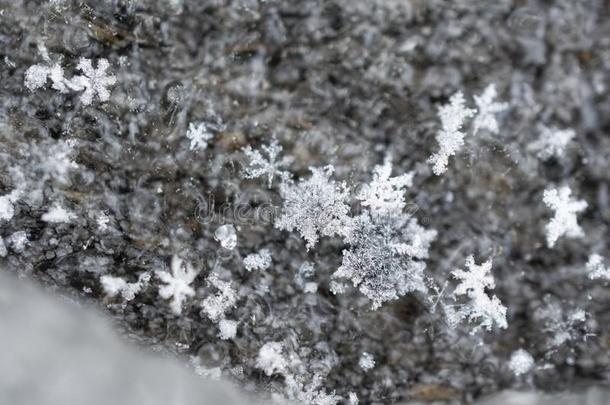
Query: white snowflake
177	283
521	362
552	142
18	241
352	398
564	221
102	221
36	76
58	214
596	269
199	134
315	206
228	329
258	261
269	166
116	285
384	193
450	138
7	201
270	358
366	361
93	81
487	109
480	308
215	306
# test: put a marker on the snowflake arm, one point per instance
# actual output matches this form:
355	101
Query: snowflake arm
450	138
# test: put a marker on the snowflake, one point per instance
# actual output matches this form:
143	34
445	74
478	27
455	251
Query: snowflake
270	166
378	260
215	306
199	134
228	329
58	214
564	221
116	285
561	326
102	221
7	201
480	308
93	81
384	193
521	362
596	269
487	108
552	142
270	358
309	394
36	76
366	361
352	398
316	206
18	241
258	261
450	138
177	283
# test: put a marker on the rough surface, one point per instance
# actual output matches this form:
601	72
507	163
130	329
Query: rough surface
341	82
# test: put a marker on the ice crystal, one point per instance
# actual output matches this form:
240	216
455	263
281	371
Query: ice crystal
596	269
270	166
384	193
480	309
366	361
552	142
258	261
226	236
564	221
315	206
270	358
116	285
228	329
199	134
521	362
177	283
215	306
450	138
487	109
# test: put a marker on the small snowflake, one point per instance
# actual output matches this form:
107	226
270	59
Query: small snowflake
487	110
258	261
116	285
18	241
596	269
215	306
521	362
269	166
564	221
270	358
102	221
316	206
7	209
177	283
228	329
93	81
552	142
58	214
366	361
384	193
450	138
199	134
480	308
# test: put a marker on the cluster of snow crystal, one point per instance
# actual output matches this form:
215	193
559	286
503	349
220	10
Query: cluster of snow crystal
92	82
116	285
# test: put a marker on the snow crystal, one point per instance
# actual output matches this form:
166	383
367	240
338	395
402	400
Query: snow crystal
450	138
215	306
596	269
487	109
199	134
58	214
366	361
270	166
227	328
521	362
552	142
564	221
270	358
258	261
177	283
